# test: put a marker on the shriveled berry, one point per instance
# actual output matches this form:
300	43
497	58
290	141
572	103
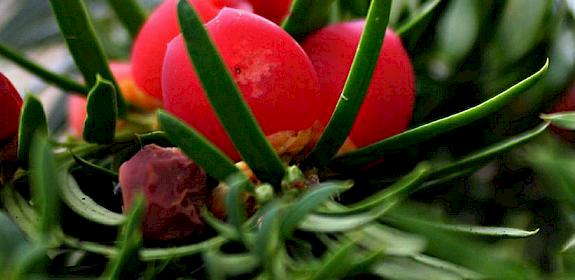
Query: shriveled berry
388	106
175	190
275	76
10	105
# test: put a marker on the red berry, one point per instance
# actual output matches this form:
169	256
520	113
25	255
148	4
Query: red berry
236	4
160	28
174	188
10	105
275	11
76	114
274	74
389	102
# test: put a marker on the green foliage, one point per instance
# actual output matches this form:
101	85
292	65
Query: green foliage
195	146
62	82
78	31
424	132
102	111
306	16
45	180
32	122
130	14
399	221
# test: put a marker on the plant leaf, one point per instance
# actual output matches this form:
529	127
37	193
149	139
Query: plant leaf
482	231
337	263
394	241
45	179
295	214
519	29
148	254
20	211
46	75
130	241
221	265
306	16
227	101
268	238
235	205
437	263
458	30
419	18
344	222
569	245
130	14
356	86
77	29
12	241
554	165
397	191
409	268
488	153
32	122
460	251
565	120
102	111
195	146
424	132
96	169
84	206
181	251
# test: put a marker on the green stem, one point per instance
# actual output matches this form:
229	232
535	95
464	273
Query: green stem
130	14
43	73
306	16
78	31
356	86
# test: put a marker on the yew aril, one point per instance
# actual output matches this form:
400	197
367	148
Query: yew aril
276	10
160	28
273	73
388	105
10	106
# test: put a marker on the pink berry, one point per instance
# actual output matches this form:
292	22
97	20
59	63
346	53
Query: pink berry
274	74
388	106
160	28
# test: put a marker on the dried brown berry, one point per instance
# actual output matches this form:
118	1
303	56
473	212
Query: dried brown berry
174	187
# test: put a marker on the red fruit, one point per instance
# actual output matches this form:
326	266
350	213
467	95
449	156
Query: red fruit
236	4
275	11
76	114
10	105
160	28
174	188
274	74
122	72
389	102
